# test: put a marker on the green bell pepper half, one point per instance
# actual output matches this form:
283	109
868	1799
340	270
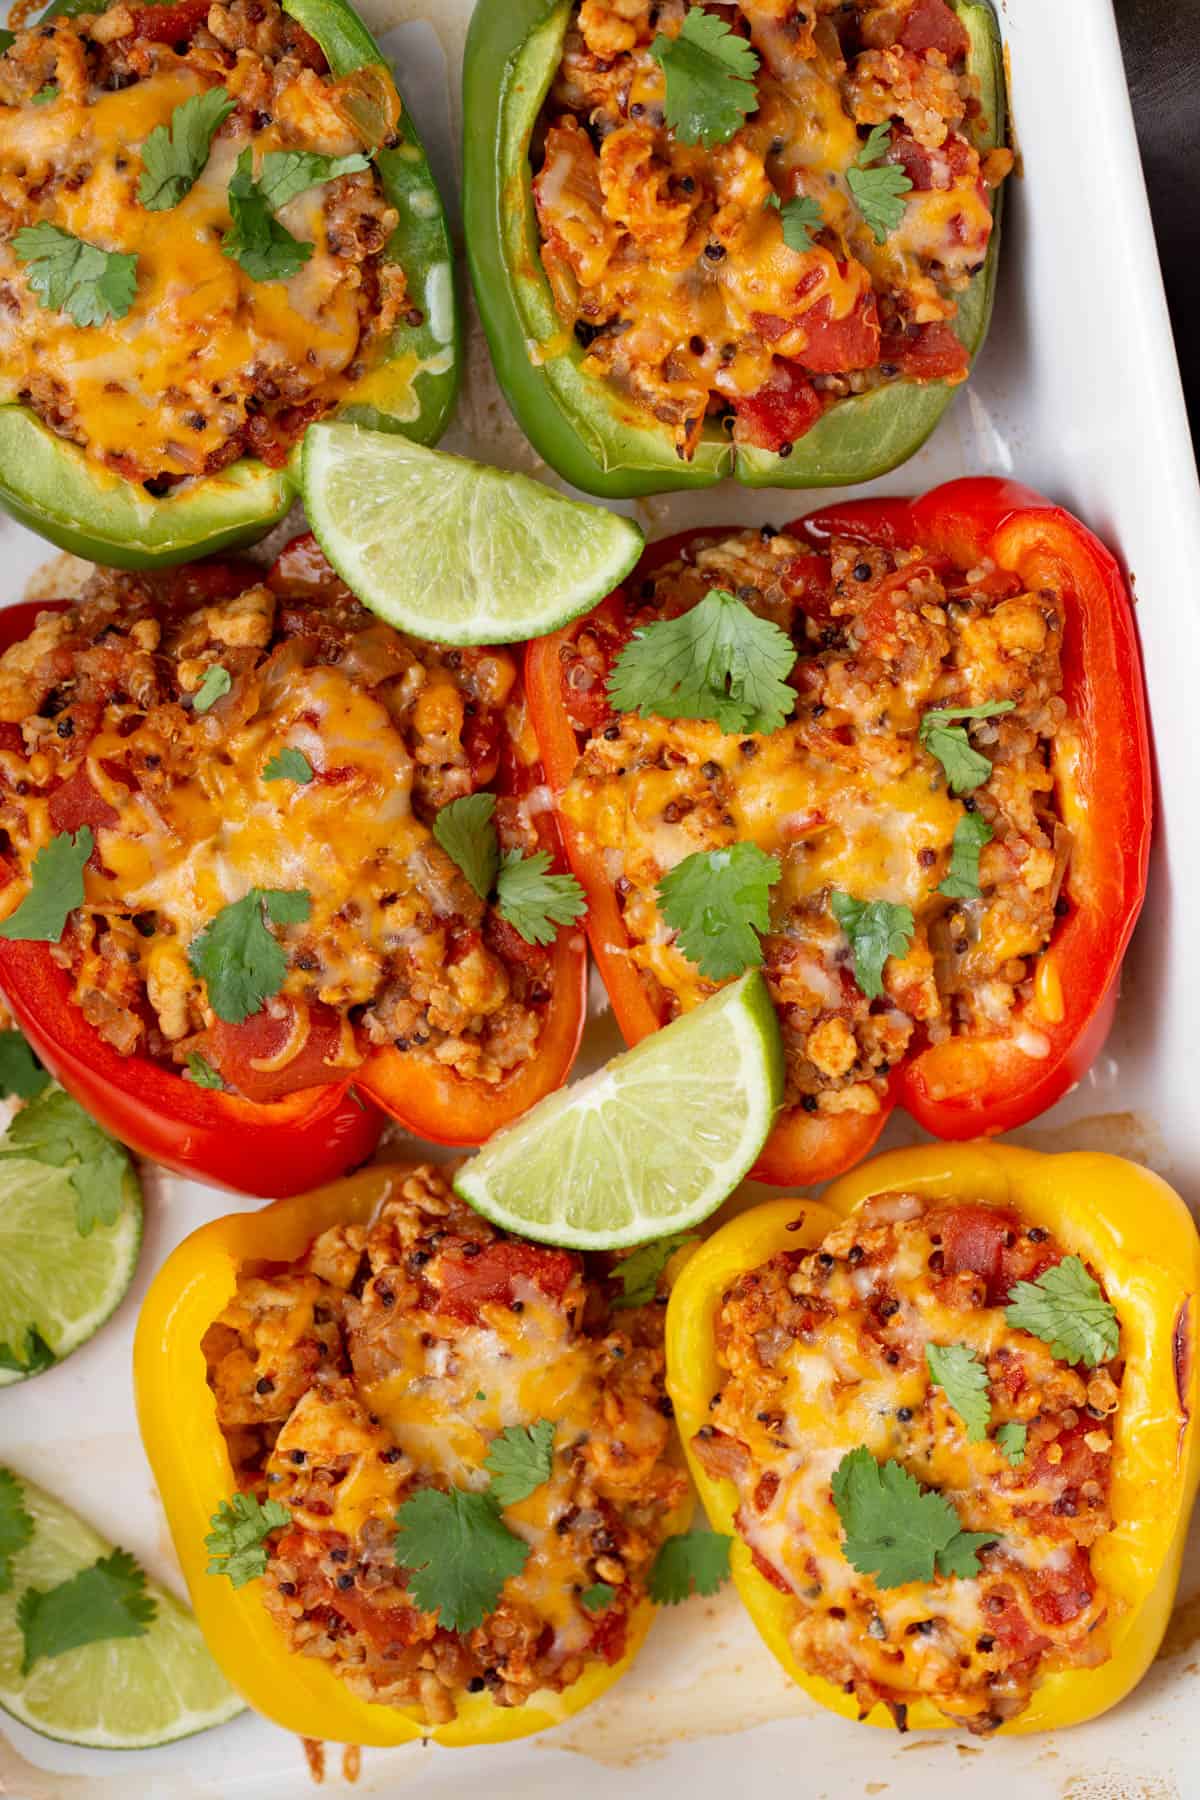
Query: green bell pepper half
594	436
50	485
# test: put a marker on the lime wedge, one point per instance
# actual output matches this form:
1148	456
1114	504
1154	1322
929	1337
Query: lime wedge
56	1286
650	1144
122	1694
451	550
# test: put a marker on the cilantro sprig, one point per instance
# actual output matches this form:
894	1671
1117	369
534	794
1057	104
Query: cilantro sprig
641	1271
288	765
216	684
201	1072
237	958
961	880
32	1358
1066	1309
174	155
710	79
718	903
71	276
106	1601
896	1530
54	1129
876	929
16	1525
237	1543
532	900
519	1459
284	174
1011	1440
878	187
691	1562
21	1074
716	661
964	1381
799	217
966	768
263	248
597	1598
55	889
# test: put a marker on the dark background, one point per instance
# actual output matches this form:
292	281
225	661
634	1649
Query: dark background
1161	42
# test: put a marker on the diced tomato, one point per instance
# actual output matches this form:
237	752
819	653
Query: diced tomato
300	570
508	944
1061	1594
931	25
233	1049
1009	1626
482	738
833	345
169	24
933	352
782	410
12	738
608	1637
384	1626
490	1277
926	168
197	583
978	1238
1076	1465
768	1571
77	803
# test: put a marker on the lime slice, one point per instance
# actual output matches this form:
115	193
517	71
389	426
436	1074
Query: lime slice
648	1145
125	1693
54	1283
448	549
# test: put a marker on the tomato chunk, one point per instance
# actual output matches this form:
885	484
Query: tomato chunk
77	803
234	1049
931	25
851	342
490	1277
169	24
933	352
988	1241
926	168
782	410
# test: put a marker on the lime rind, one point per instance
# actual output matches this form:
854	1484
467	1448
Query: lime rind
650	1144
63	1285
449	549
124	1694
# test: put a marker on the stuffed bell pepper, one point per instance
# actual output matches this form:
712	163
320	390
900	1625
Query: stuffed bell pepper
417	1472
949	1414
218	226
756	239
269	864
897	754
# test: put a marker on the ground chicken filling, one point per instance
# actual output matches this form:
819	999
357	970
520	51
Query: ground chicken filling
386	1361
844	794
208	364
669	260
823	1350
99	726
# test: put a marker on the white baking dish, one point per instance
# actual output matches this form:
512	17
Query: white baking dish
1077	392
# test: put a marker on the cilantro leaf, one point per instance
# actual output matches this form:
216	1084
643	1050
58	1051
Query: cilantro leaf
878	192
520	1459
174	155
216	684
710	79
100	1603
202	1072
235	955
46	94
36	1358
289	765
67	275
54	1129
460	1554
877	929
964	1380
256	241
286	173
7	40
533	901
717	902
895	1529
16	1525
465	831
1066	1309
717	661
639	1272
961	881
1011	1440
691	1562
801	216
237	1543
20	1071
55	889
966	769
598	1597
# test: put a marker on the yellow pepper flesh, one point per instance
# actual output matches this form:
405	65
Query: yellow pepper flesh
1138	1236
187	1453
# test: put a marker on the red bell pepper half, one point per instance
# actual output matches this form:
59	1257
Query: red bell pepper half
967	1086
286	1139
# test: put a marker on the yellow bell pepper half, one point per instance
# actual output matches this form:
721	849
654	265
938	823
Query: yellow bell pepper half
191	1465
1138	1235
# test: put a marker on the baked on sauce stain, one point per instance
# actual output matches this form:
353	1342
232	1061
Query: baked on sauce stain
314	1756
